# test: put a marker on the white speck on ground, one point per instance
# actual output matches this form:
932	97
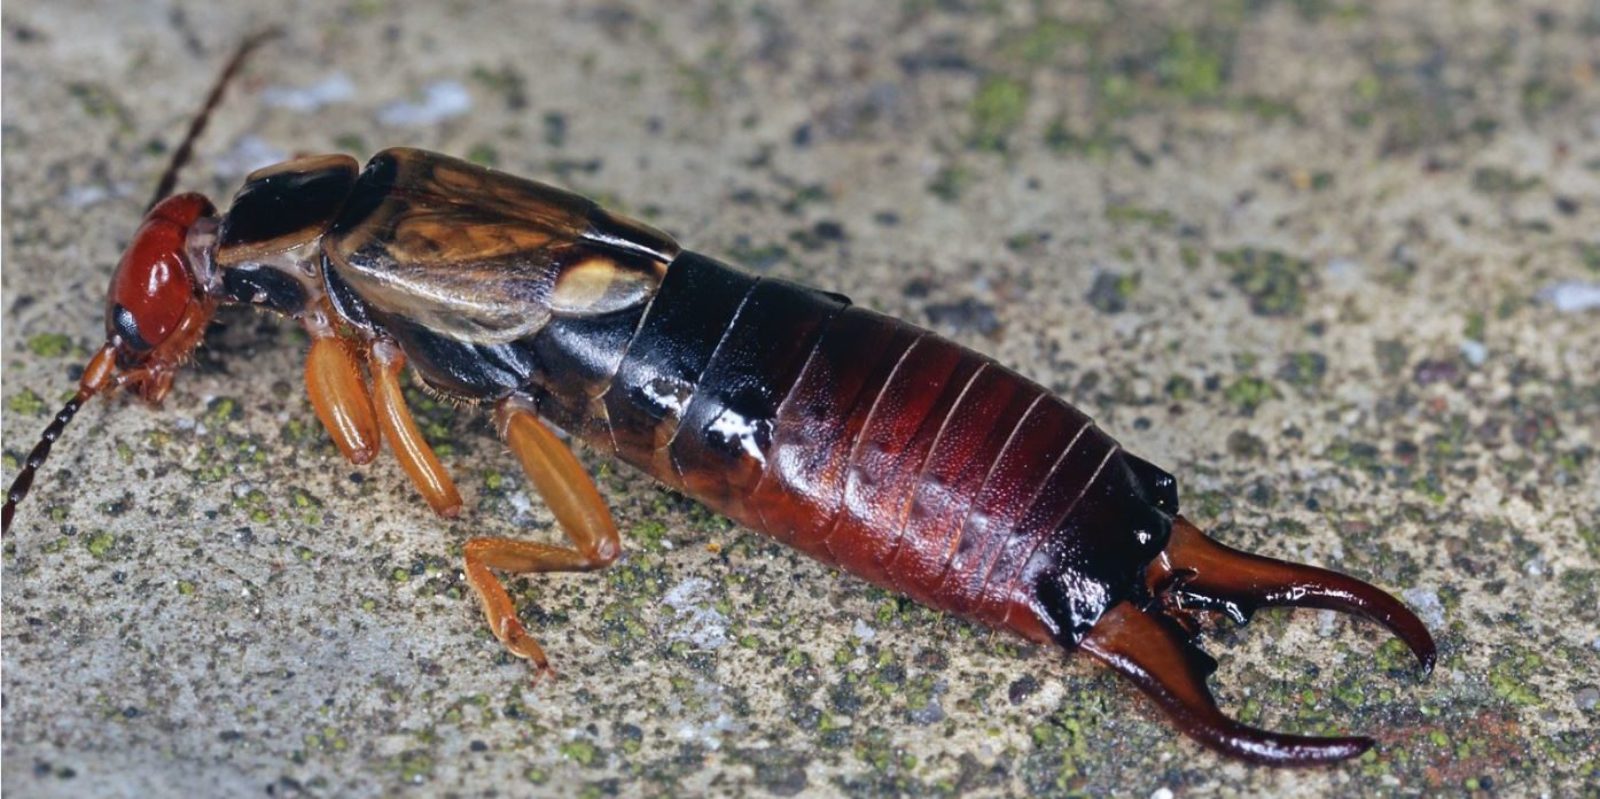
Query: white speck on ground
249	153
521	503
1425	601
1327	623
715	720
1571	296
77	197
1474	351
1344	273
335	88
696	621
862	631
440	101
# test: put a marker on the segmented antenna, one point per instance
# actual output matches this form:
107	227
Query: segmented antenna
96	376
36	458
185	149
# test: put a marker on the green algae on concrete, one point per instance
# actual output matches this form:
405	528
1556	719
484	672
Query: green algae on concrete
997	111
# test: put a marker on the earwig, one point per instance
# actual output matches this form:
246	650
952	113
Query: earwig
868	443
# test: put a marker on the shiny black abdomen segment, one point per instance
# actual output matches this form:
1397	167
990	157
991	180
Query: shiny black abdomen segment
1159	485
686	320
586	351
577	360
1099	550
727	428
287	203
461	370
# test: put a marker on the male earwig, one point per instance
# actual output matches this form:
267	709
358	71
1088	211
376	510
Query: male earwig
864	441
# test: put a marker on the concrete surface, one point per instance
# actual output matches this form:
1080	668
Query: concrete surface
1326	264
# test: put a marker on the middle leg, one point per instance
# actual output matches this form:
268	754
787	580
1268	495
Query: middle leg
410	448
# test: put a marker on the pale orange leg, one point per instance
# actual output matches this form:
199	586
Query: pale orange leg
339	396
412	450
572	498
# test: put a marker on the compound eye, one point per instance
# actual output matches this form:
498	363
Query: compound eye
126	328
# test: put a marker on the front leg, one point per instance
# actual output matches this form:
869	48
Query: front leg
339	396
575	502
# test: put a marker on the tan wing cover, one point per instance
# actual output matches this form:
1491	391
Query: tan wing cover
483	256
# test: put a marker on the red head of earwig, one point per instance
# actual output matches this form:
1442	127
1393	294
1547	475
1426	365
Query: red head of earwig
156	312
158	305
157	308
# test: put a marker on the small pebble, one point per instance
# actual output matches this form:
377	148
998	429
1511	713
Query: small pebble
1024	687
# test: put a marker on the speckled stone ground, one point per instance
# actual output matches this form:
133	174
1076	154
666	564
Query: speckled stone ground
1325	263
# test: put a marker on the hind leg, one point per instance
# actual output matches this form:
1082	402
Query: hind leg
572	498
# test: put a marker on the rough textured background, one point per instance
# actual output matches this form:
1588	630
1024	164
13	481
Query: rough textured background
1315	259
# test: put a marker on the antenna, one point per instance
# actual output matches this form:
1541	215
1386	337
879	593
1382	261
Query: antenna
96	377
185	149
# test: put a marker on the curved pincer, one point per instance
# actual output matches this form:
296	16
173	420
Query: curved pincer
1151	641
1195	572
1157	656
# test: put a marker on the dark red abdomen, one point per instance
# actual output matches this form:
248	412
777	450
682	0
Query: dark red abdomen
870	444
